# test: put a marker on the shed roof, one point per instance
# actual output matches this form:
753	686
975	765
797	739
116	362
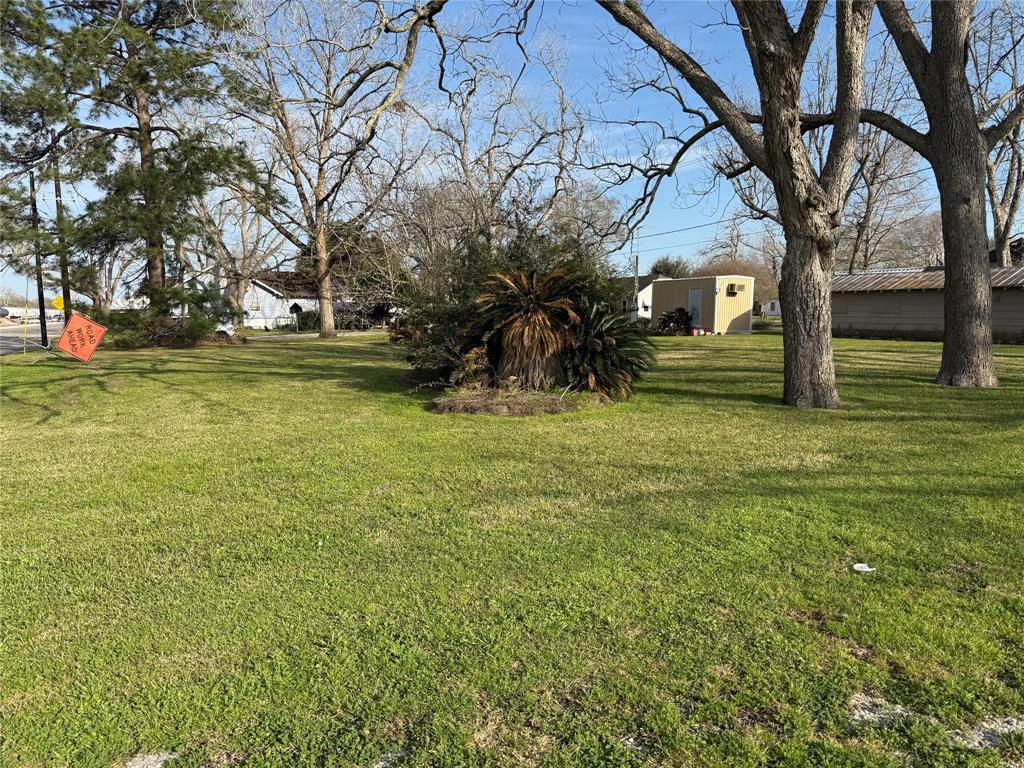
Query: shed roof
927	279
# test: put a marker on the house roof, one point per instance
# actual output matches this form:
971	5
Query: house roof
625	284
287	285
927	279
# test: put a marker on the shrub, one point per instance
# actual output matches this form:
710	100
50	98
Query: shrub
307	320
611	352
474	369
675	322
436	336
155	325
527	315
439	320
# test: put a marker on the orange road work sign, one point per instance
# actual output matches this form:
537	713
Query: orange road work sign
81	337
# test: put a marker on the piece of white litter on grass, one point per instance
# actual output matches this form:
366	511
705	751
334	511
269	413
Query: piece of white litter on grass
863	568
152	760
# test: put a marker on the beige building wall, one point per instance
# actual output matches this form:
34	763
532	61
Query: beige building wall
667	295
719	312
1008	314
919	314
734	313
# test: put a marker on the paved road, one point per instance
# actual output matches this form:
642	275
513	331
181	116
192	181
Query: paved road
12	337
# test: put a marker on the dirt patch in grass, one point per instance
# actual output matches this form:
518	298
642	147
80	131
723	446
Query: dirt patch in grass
152	760
990	733
508	402
488	729
872	710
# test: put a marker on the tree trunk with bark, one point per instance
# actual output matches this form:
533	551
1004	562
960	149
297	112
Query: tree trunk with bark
805	293
958	152
325	292
967	354
1005	198
809	201
153	237
235	293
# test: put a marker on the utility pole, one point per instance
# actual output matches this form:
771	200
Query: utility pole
65	279
39	260
635	314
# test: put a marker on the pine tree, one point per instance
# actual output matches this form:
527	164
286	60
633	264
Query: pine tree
92	84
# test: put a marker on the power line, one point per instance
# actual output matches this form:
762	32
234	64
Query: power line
925	201
683	229
679	245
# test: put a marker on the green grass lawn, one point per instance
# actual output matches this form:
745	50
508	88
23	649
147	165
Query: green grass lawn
276	555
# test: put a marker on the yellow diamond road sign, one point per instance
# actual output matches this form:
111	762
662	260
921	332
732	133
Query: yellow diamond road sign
58	302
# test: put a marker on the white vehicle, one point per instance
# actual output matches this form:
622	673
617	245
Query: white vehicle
224	330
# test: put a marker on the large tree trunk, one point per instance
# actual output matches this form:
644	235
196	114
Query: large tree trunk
805	292
235	293
325	293
808	199
958	152
967	354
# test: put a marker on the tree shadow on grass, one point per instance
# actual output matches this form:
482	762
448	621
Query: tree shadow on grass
361	368
705	393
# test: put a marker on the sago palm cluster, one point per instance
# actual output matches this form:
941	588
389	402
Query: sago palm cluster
610	353
534	318
545	331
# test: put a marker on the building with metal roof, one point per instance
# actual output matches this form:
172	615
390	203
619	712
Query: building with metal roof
908	303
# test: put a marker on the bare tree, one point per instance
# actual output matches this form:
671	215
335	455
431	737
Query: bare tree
995	65
916	242
884	187
316	80
501	161
727	245
235	245
809	201
107	273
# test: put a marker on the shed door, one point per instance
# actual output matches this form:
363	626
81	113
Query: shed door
696	305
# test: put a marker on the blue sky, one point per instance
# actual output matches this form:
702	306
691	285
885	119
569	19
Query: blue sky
696	26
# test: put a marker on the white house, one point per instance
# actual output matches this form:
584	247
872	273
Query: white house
274	298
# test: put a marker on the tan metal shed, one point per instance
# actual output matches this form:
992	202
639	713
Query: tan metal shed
908	303
722	303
